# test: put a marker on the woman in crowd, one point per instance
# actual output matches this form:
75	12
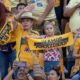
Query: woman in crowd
22	71
55	74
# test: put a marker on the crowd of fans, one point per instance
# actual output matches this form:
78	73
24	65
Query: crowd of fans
39	19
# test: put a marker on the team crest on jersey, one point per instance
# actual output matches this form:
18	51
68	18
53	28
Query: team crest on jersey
27	50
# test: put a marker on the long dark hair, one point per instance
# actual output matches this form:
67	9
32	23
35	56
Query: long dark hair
58	72
3	11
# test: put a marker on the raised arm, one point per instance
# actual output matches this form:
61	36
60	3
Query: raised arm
29	8
48	9
11	72
69	11
9	75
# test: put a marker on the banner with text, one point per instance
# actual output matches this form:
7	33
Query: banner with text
51	42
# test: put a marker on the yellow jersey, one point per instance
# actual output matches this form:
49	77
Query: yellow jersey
75	18
13	33
5	33
40	6
75	68
23	52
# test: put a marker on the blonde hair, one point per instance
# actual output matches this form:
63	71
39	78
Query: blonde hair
49	24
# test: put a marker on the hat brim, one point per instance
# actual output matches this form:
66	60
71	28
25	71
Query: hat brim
27	17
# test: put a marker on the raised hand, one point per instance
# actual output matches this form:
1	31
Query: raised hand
15	65
29	8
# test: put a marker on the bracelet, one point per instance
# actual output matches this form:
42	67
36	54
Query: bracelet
28	75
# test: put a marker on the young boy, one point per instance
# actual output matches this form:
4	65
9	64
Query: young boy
23	52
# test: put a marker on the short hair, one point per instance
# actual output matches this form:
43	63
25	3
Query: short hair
57	70
21	4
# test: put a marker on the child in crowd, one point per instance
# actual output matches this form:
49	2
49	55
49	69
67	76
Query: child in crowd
51	56
27	20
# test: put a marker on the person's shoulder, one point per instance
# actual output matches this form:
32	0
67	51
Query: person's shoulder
35	32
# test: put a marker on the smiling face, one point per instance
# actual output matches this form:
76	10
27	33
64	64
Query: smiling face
53	75
27	23
22	72
21	75
49	30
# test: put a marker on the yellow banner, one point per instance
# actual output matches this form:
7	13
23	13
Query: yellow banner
7	3
5	33
52	42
